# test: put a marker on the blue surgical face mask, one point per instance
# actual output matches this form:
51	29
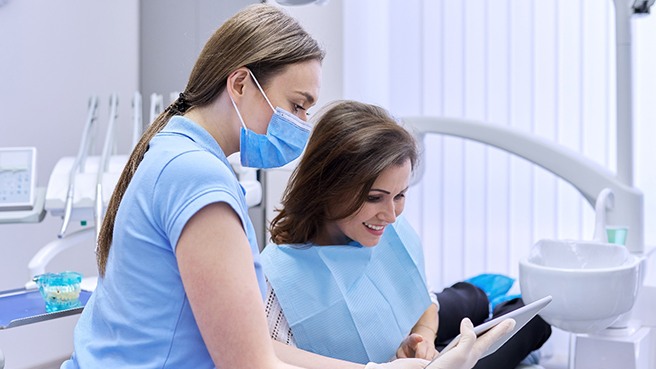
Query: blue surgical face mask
284	141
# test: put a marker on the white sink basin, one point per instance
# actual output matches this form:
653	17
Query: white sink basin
592	283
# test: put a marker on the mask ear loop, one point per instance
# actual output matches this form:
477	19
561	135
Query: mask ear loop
238	113
262	91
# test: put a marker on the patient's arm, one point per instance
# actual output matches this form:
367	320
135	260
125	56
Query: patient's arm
421	341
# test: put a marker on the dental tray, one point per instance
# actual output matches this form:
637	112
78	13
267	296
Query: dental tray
20	307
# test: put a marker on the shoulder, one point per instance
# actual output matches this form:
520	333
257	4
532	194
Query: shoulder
197	163
196	171
187	156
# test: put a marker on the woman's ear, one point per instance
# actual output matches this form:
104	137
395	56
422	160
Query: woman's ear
236	82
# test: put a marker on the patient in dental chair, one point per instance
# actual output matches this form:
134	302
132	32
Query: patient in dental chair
345	272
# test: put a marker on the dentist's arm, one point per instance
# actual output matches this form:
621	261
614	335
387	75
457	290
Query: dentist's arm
216	267
463	356
309	360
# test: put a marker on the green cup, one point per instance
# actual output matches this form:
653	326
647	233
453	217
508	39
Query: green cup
617	235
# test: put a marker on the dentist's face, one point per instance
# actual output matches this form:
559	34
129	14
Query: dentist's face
384	203
295	89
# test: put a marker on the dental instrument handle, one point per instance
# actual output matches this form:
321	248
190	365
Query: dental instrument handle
79	159
137	118
104	162
68	210
88	134
98	209
109	136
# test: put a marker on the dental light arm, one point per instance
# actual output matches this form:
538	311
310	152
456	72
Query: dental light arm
588	177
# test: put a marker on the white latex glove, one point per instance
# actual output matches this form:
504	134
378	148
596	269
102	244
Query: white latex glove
469	349
400	364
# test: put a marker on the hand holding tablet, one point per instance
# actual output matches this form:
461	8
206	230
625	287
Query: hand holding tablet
521	316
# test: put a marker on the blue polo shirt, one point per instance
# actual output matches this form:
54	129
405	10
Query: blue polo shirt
139	315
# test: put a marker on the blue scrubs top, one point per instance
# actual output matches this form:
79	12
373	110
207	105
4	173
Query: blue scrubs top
139	315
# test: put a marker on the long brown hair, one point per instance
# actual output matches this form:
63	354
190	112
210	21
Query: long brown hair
261	37
351	144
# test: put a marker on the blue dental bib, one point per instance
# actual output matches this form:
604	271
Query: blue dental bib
347	301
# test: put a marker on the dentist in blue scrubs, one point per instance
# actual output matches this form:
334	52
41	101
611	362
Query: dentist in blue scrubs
181	285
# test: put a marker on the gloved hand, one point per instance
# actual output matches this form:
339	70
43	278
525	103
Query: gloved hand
463	356
399	364
469	350
416	346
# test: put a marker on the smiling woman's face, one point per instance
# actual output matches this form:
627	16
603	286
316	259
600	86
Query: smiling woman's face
384	203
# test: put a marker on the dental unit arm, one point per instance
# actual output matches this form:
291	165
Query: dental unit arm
588	177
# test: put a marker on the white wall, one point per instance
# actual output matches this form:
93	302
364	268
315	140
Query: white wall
173	33
53	55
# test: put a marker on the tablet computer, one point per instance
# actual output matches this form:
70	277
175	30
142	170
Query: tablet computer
521	316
